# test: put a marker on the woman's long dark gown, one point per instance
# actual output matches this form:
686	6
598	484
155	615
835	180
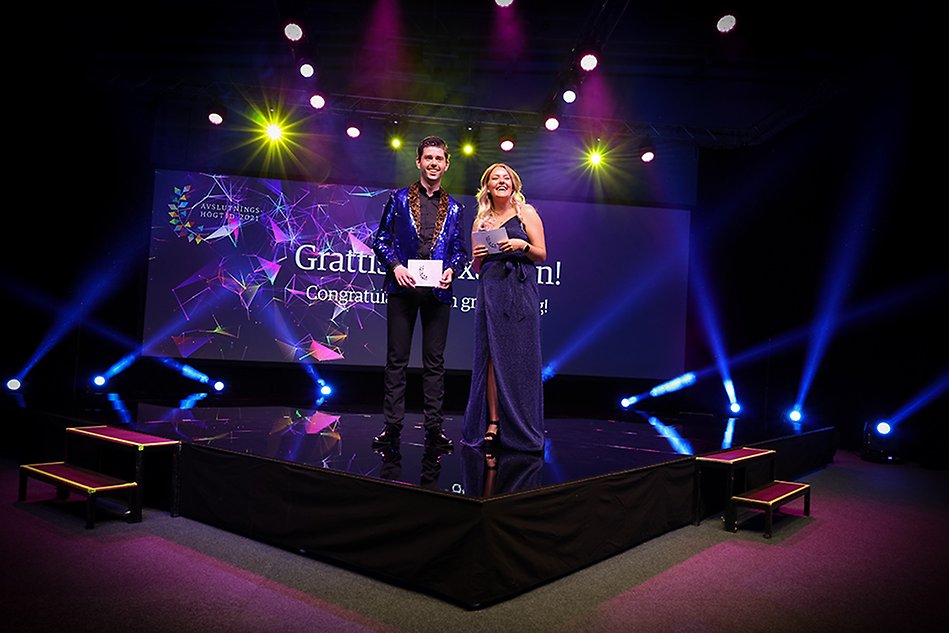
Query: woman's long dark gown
507	331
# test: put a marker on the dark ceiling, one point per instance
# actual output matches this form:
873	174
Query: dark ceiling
665	69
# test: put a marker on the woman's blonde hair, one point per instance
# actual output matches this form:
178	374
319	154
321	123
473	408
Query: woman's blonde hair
485	204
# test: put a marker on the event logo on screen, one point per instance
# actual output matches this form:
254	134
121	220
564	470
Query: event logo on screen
223	219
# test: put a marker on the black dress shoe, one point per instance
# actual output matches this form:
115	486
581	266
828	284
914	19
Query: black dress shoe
391	434
437	439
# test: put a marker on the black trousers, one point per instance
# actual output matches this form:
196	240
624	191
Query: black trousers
402	311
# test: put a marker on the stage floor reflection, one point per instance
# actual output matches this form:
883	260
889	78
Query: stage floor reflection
576	449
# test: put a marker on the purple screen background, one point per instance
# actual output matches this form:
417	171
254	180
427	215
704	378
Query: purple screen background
256	269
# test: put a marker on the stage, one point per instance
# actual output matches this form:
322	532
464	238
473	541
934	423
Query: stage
445	523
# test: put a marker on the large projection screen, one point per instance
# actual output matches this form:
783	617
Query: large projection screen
256	269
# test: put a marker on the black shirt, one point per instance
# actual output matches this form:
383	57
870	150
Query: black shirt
428	205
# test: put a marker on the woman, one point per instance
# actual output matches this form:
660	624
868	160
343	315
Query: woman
505	404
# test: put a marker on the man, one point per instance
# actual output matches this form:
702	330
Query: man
419	222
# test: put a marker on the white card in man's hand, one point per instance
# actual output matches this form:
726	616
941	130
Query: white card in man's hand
490	239
426	272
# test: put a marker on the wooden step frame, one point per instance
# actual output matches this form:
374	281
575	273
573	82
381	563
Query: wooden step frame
767	498
67	477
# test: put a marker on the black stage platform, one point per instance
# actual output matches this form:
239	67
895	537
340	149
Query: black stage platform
443	523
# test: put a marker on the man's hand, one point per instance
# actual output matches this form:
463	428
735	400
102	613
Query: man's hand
403	277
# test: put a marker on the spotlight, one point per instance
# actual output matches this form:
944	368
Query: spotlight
325	390
317	102
216	113
589	61
469	139
306	69
569	95
293	32
880	442
595	158
507	140
393	134
726	23
274	131
647	154
353	131
98	381
552	122
218	385
735	407
795	415
504	3
14	384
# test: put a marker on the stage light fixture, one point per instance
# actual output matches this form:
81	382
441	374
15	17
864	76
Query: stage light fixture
393	134
274	131
795	415
880	442
98	381
353	131
726	23
647	154
469	139
14	384
293	31
552	122
569	95
507	140
589	60
218	385
504	3
306	68
317	101
734	407
325	390
216	113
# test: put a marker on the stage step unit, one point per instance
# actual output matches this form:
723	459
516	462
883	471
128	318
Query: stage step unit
68	477
767	498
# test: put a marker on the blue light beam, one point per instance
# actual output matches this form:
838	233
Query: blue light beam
848	247
921	399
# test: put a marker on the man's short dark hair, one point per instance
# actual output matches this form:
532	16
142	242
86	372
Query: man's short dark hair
432	141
